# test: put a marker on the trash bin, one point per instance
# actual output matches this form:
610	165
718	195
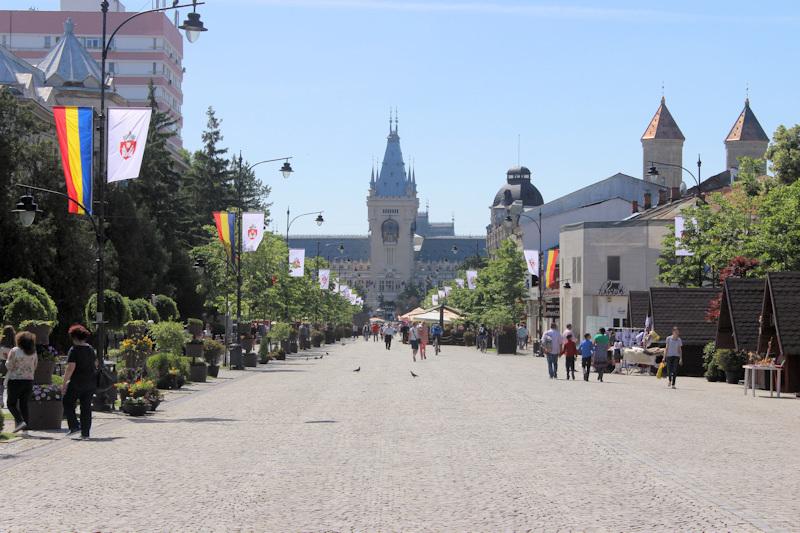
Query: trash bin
236	361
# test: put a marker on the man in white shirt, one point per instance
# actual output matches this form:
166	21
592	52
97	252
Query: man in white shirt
388	333
567	332
551	345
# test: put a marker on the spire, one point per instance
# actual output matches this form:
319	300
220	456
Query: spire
662	125
747	127
395	121
68	62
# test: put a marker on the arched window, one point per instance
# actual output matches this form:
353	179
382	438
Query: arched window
390	231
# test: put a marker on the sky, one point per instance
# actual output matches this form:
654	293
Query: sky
565	88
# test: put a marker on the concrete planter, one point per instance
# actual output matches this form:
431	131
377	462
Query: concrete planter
198	373
251	360
45	415
44	372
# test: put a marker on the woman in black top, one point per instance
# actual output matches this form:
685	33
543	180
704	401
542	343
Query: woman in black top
80	381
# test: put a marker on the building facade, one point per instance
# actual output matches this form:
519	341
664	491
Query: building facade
148	48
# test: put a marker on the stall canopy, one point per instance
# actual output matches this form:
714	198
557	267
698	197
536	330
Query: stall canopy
780	324
738	314
412	313
432	315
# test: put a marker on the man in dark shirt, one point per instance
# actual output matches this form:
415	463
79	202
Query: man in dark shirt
80	381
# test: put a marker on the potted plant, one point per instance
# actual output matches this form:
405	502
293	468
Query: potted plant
135	328
135	350
40	328
123	390
316	338
195	327
712	370
43	375
279	334
330	338
135	406
45	411
469	338
731	362
212	351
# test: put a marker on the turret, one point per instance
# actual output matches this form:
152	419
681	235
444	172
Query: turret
746	139
662	142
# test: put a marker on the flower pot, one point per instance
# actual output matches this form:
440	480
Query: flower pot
136	409
251	360
153	404
194	349
198	373
213	370
45	415
329	337
732	378
247	343
44	372
507	343
292	347
42	333
135	330
263	361
196	330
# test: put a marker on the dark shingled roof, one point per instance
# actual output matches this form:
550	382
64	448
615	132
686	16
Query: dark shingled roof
440	248
662	125
638	307
356	247
781	303
685	308
747	127
739	311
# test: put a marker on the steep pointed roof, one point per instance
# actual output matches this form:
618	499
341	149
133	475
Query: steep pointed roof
747	127
68	63
392	179
663	126
14	70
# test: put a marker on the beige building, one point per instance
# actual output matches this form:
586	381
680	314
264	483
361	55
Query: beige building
662	142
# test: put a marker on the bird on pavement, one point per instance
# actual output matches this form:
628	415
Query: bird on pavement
316	358
321	356
326	353
306	358
413	374
357	369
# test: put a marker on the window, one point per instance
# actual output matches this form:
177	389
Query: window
390	256
111	68
154	67
613	267
576	270
390	231
47	41
91	42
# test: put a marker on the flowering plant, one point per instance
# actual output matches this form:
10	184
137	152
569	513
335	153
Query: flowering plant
46	393
141	388
135	401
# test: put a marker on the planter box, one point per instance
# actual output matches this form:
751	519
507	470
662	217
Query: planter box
135	410
292	347
507	343
329	337
247	344
213	370
45	415
42	334
251	360
196	330
194	349
198	373
44	373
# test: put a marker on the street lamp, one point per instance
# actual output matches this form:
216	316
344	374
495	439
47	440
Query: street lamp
286	169
193	26
508	221
26	210
319	220
653	171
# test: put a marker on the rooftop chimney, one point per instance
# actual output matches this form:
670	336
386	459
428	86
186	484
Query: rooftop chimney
648	201
676	194
662	196
634	207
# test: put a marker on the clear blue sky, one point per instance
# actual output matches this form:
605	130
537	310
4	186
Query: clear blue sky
578	81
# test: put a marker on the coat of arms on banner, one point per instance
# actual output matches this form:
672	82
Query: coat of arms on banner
296	263
252	232
127	146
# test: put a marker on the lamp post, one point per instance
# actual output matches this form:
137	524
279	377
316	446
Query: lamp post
509	222
319	220
340	248
653	171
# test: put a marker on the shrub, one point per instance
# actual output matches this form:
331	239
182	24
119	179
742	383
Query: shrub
117	311
279	331
23	308
169	336
212	351
13	288
143	310
160	364
263	351
166	308
469	338
730	361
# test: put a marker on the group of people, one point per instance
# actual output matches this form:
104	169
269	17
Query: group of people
417	334
18	362
594	352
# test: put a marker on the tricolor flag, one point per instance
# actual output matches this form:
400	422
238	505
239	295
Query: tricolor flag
226	224
552	265
74	127
127	137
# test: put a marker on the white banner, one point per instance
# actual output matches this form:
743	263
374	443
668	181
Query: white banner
472	279
127	137
297	262
434	300
324	279
532	260
680	227
460	283
442	294
447	290
252	231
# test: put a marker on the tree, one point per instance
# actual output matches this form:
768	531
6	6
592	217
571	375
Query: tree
501	285
784	153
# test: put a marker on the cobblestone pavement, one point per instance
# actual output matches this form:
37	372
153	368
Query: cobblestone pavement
475	443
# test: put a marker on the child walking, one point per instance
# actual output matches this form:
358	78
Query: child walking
569	351
587	350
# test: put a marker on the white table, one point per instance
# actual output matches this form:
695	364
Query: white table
750	377
632	358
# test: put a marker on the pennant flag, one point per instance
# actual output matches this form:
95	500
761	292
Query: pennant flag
76	142
127	137
532	260
226	222
324	279
252	231
460	283
552	264
297	261
680	227
472	279
434	299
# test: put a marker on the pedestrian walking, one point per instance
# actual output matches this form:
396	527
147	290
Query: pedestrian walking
388	333
21	365
422	335
7	342
366	332
618	345
522	336
375	330
587	351
567	331
80	381
551	344
404	332
413	340
569	351
673	355
600	357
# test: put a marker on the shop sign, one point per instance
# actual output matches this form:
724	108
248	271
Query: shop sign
611	288
552	309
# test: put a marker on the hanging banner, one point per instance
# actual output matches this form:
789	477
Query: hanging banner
226	222
434	300
532	260
552	267
472	279
297	261
252	231
447	290
460	283
127	137
442	294
680	227
74	130
324	279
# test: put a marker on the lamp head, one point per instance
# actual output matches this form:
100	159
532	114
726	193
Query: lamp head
567	285
508	222
341	249
193	26
319	220
26	210
652	171
286	169
454	249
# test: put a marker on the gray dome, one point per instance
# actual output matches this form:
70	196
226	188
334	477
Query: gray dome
518	187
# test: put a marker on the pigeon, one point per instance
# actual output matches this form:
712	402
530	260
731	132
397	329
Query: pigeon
306	358
316	358
321	356
357	369
326	353
413	374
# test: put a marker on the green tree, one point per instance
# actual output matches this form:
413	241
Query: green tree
784	153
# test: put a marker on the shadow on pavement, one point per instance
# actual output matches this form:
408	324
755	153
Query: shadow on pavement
320	422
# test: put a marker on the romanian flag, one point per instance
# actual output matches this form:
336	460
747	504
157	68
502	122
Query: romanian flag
552	266
226	224
74	127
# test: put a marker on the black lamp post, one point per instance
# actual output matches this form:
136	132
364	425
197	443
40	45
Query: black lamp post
653	171
509	222
340	248
319	220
